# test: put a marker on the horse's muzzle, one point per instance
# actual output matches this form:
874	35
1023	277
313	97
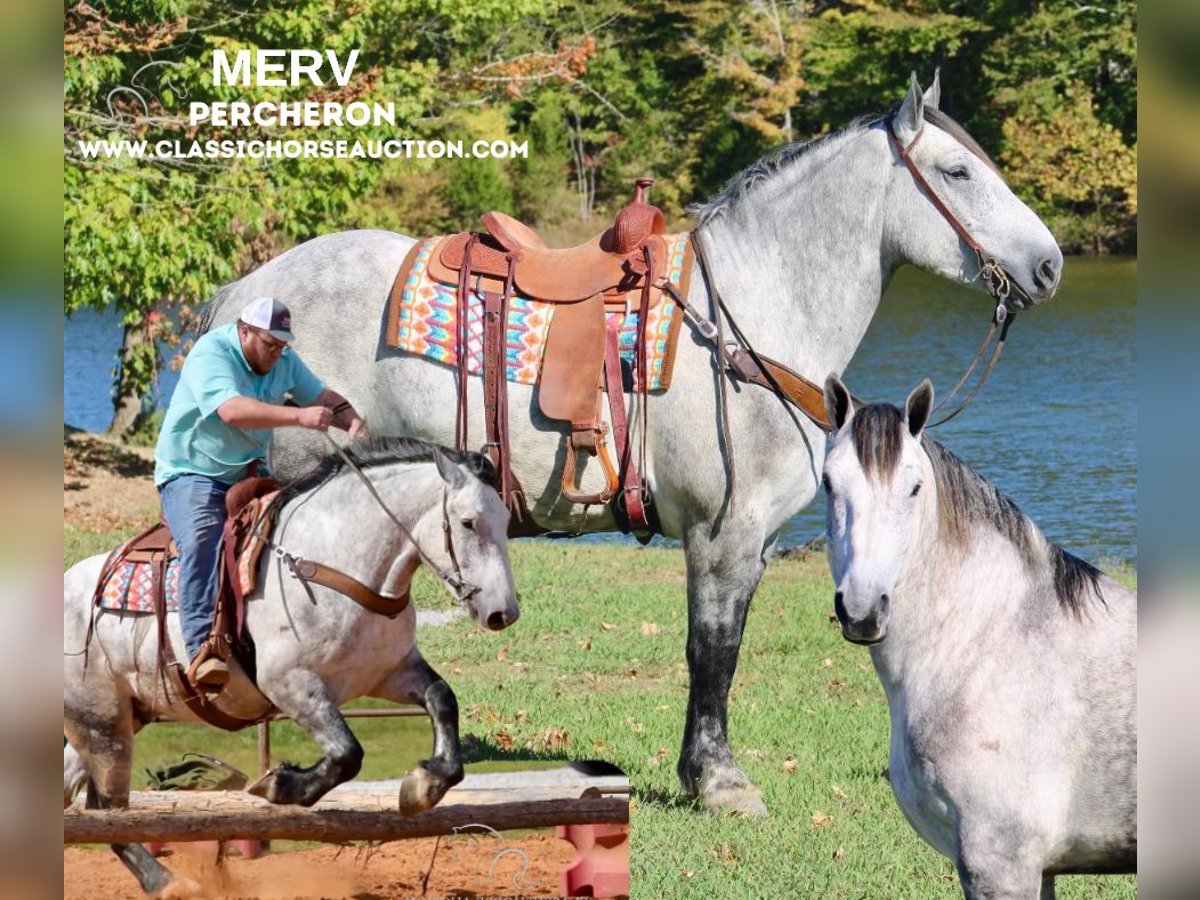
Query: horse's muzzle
871	628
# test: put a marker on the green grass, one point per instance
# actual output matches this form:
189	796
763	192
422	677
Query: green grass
595	669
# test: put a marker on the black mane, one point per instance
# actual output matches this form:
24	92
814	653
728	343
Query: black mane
382	450
966	498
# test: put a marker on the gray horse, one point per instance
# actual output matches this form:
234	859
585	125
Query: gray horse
1009	665
801	246
315	648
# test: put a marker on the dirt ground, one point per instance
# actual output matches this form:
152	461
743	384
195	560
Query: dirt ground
106	484
527	867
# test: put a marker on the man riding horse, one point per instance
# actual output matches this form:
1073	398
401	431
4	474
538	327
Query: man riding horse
217	431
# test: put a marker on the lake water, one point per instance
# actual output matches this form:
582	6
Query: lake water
1055	428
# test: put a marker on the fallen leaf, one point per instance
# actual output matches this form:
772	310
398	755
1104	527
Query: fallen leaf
789	765
820	820
839	793
607	627
839	853
826	663
585	645
686	873
504	740
650	628
502	655
725	855
522	716
631	673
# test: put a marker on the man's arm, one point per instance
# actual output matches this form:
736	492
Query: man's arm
345	416
248	413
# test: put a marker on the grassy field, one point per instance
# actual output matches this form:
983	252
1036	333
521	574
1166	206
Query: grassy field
595	669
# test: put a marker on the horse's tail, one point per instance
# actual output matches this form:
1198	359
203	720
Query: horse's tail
212	308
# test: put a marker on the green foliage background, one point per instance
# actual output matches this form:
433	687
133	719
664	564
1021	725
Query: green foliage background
689	92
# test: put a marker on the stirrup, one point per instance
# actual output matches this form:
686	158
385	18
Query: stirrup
592	441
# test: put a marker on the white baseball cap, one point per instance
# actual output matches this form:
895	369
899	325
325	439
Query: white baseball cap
270	315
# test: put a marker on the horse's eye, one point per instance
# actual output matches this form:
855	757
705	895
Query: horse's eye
958	173
916	489
468	524
825	484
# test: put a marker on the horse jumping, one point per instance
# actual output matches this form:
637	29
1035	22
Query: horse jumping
315	648
1009	665
800	246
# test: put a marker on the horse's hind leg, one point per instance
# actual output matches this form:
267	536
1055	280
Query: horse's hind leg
105	753
416	682
302	695
723	572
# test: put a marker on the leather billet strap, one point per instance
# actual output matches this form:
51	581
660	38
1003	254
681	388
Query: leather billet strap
372	601
746	364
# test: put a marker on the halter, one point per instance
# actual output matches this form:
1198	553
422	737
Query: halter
995	279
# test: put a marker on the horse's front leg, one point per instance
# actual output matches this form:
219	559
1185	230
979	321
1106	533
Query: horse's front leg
415	682
303	696
723	572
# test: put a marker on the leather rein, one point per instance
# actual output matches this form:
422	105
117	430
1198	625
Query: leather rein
307	570
742	362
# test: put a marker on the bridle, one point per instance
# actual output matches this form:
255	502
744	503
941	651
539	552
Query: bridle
307	570
1009	295
463	590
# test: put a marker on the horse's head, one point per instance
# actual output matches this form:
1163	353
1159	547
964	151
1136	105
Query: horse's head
874	478
472	547
979	208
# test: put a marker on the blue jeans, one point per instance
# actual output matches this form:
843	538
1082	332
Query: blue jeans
194	509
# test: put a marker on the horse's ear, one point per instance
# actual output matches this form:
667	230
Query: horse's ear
933	95
838	407
918	406
911	114
448	469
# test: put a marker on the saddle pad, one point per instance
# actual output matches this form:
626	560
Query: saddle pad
423	319
130	588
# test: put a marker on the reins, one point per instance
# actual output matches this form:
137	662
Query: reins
462	590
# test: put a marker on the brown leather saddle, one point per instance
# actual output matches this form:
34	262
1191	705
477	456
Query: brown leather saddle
248	513
581	362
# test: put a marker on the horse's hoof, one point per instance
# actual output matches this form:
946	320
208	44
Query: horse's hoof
264	787
421	790
181	887
732	797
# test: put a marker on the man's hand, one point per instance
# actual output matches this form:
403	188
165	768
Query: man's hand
318	418
358	429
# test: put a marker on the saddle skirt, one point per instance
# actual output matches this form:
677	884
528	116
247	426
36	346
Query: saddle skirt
423	318
129	586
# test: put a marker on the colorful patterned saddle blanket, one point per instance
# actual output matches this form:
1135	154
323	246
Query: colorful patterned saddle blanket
130	585
423	318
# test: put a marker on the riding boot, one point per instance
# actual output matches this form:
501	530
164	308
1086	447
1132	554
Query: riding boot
208	670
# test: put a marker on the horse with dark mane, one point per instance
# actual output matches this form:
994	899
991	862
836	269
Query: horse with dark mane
315	646
1009	664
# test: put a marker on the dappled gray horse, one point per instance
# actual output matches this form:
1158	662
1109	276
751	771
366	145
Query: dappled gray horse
800	246
314	648
1009	665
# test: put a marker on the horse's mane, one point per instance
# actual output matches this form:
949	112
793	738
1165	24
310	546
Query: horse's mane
783	157
211	308
966	499
379	451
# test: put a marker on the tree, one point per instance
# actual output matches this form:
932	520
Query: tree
153	234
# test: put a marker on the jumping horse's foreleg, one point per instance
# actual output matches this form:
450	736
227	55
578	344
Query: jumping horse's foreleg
723	573
302	695
105	750
416	682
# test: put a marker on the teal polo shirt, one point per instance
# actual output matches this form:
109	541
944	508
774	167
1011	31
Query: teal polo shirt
193	439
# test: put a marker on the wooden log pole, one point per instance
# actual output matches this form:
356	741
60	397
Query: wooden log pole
267	822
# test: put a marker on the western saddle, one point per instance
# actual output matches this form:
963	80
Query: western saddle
249	509
582	360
